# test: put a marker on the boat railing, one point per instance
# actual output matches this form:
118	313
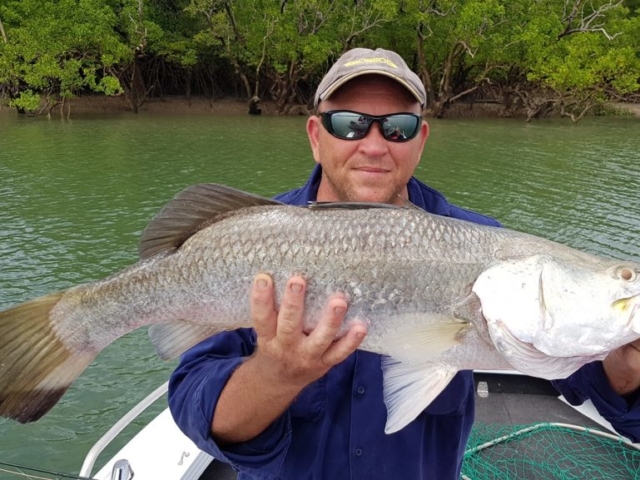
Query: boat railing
113	432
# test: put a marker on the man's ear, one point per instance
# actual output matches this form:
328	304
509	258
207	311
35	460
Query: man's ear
424	131
313	132
424	134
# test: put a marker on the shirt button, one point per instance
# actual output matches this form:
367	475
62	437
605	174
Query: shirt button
358	452
361	390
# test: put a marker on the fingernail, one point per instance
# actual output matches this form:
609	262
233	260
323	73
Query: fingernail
296	287
261	283
339	310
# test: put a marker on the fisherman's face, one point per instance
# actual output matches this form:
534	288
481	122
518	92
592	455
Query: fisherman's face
371	169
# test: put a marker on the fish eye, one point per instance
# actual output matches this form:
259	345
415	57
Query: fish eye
626	273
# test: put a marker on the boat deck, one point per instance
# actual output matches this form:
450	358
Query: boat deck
518	400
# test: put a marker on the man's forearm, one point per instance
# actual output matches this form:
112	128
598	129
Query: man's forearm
249	403
622	368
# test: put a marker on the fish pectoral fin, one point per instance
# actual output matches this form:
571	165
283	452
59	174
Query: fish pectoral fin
411	379
191	210
409	388
425	337
172	339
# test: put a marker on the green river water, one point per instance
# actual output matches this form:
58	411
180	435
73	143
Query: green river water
76	194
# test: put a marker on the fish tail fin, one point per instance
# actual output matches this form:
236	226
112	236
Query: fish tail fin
36	368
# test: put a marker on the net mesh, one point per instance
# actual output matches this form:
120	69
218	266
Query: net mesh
548	451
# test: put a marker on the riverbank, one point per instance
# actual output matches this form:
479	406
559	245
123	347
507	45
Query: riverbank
180	105
631	108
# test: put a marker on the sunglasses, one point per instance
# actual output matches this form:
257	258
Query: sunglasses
348	125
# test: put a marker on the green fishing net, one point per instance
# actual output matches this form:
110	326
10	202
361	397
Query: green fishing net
548	451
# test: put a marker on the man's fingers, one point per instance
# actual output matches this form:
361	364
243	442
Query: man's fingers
348	344
321	338
286	325
263	312
291	310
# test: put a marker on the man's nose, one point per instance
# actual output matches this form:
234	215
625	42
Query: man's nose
374	140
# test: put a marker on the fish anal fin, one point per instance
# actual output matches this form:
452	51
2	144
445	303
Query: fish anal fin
191	210
37	368
172	339
409	388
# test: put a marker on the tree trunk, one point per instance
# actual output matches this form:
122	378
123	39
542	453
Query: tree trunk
133	84
423	74
2	32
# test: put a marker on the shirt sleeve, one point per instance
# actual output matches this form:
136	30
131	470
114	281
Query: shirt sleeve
194	389
590	382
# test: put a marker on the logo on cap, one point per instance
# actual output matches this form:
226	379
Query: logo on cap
371	60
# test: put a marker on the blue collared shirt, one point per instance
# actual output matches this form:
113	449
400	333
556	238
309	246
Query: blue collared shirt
335	428
590	383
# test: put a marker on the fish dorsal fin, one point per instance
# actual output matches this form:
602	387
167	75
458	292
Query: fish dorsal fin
349	205
190	211
408	204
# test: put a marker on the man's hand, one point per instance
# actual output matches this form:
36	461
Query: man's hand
285	361
286	353
622	367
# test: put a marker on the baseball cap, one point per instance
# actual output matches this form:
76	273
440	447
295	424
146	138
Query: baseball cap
364	61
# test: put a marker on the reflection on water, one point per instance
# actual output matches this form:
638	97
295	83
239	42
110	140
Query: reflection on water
75	195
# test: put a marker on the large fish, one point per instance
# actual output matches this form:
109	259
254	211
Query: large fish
438	294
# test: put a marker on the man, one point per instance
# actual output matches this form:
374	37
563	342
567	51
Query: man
279	404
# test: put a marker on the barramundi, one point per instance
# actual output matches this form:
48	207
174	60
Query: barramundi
437	294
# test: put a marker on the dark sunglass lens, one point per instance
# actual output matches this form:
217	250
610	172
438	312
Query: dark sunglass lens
349	125
401	127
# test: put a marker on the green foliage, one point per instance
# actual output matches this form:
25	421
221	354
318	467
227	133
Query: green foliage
633	6
109	85
27	100
62	47
57	47
585	59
